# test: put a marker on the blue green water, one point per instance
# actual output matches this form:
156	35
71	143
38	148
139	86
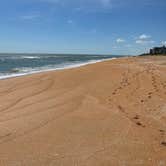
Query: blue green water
12	65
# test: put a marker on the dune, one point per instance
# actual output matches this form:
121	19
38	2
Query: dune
111	113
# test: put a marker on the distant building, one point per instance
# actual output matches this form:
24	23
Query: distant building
158	50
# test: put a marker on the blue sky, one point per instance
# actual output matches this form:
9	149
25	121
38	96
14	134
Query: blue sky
82	26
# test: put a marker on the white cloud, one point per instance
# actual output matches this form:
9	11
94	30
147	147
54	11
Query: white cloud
163	42
144	39
119	40
139	41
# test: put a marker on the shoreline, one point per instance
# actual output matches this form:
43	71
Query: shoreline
56	69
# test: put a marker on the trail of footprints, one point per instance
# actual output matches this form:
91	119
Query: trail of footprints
125	82
136	120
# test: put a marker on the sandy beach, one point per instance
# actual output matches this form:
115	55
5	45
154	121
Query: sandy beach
111	113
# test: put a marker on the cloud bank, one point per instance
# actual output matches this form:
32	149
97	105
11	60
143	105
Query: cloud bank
120	40
144	39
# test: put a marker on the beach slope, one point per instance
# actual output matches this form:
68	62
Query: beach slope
111	113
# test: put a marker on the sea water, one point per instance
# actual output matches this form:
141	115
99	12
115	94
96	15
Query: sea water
12	65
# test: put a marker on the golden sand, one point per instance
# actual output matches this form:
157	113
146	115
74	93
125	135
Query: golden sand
110	113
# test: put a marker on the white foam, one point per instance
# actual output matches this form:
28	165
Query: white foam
30	57
28	71
16	57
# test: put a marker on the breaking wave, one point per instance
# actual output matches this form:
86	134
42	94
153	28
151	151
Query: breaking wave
16	72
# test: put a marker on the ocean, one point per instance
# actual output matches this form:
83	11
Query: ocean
13	65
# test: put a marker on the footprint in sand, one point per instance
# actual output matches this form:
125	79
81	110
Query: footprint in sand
137	122
119	88
142	101
163	143
114	93
140	124
136	117
149	97
121	108
162	132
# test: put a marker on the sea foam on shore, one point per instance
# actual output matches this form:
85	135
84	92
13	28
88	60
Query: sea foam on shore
20	65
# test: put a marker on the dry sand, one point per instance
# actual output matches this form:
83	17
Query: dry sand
111	113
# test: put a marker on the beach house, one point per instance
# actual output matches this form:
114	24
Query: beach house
158	50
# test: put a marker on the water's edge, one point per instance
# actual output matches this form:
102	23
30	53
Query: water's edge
54	69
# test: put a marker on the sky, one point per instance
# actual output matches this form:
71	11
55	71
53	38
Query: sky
118	27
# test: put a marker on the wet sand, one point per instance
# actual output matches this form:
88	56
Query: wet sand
110	113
